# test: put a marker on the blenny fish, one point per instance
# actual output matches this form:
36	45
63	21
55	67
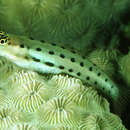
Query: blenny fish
44	57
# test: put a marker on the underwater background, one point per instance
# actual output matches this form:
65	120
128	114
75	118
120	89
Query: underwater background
99	30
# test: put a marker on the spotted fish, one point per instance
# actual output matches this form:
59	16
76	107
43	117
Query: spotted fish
44	57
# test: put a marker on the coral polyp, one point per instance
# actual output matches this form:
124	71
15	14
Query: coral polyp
8	117
114	121
23	76
58	111
24	126
103	59
80	94
7	68
105	121
93	122
124	65
29	98
4	99
31	93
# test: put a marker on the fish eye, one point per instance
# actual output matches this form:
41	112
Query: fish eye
3	38
3	41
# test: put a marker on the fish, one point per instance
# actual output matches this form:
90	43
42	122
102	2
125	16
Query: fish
44	57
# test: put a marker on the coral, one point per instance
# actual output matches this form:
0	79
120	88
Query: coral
75	21
65	110
7	68
94	122
124	65
126	30
8	117
75	91
4	99
114	121
103	59
58	111
31	93
24	126
106	121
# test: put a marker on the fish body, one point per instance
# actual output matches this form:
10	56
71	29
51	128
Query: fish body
45	57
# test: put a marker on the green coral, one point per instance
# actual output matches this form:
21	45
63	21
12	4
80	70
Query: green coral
66	21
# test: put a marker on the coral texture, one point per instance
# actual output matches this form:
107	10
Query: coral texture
74	106
125	68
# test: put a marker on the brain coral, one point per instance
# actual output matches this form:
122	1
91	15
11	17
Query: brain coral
8	117
24	126
67	109
104	121
30	93
75	91
59	111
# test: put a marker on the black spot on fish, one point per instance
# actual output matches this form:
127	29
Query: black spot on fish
51	52
112	86
94	64
22	45
62	56
87	77
61	67
28	47
38	49
2	41
70	70
42	41
90	68
53	44
83	57
4	37
31	38
26	57
106	80
72	59
37	60
49	64
103	88
81	64
62	47
73	51
95	82
99	74
78	73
